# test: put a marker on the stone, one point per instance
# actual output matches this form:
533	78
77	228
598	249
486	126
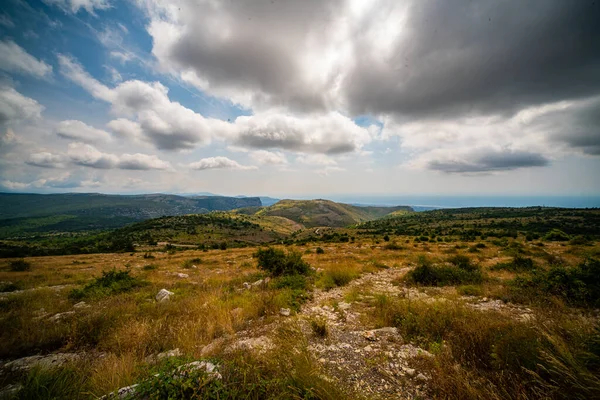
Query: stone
247	285
258	283
422	378
163	295
49	361
370	335
161	356
194	267
342	305
285	312
63	315
81	304
182	275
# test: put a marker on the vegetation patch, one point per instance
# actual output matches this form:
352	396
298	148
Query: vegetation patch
517	264
111	282
19	265
277	262
458	270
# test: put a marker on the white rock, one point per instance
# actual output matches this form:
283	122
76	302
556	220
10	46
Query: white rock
81	304
163	295
59	316
49	361
342	305
258	283
194	267
182	275
285	312
247	285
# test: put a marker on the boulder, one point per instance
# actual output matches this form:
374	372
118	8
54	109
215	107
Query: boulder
182	275
163	295
285	312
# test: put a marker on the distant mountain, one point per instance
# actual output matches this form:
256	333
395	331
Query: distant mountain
313	213
22	214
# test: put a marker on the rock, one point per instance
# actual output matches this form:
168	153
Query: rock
237	312
81	304
152	359
247	285
207	366
259	344
285	312
182	275
163	295
258	283
267	280
123	393
63	315
342	305
370	335
49	361
194	267
409	371
422	378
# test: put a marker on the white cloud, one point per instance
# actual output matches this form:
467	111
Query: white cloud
46	160
74	6
268	157
16	59
125	128
77	130
88	156
331	133
218	163
6	21
16	107
121	56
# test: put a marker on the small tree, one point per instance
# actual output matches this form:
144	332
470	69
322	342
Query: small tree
277	263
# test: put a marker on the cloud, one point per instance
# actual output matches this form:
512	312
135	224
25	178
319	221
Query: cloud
16	59
268	157
259	53
6	21
16	107
168	125
120	56
79	131
316	160
125	128
331	133
139	161
88	156
74	6
218	163
482	160
46	160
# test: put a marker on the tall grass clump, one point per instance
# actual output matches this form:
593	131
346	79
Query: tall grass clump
517	264
111	282
457	270
491	355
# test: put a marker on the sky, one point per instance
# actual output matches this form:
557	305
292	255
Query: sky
292	98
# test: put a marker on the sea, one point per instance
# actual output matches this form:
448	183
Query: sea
432	202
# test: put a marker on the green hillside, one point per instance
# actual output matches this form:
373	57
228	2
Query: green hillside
31	214
314	213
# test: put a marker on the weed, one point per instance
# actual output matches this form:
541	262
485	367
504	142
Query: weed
469	290
517	264
150	267
319	327
459	271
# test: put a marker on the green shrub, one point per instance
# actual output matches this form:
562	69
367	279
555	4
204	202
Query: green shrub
579	285
336	277
517	264
149	267
8	287
19	265
386	238
557	235
459	271
277	263
393	246
111	282
296	282
320	250
193	261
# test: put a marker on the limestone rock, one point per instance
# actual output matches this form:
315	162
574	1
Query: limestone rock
285	312
163	295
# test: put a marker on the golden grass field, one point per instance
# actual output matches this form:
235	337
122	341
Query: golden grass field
116	333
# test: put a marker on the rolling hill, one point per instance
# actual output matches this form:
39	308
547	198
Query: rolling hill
314	213
25	214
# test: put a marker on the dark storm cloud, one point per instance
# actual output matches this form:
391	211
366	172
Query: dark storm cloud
480	56
489	161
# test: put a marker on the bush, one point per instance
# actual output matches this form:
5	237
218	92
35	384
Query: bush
579	286
518	264
111	282
188	263
320	250
386	238
19	265
295	282
336	277
149	267
469	290
459	271
393	246
557	235
278	263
